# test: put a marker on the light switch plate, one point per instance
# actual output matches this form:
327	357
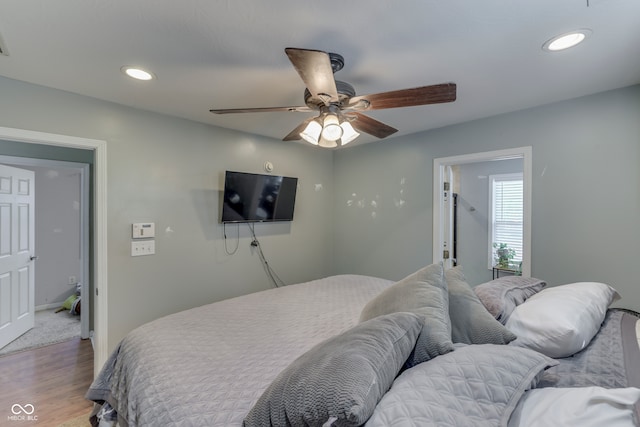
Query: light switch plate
143	247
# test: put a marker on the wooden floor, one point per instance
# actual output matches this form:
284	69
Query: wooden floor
53	379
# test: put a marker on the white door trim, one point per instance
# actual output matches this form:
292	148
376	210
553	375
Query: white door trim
439	165
99	147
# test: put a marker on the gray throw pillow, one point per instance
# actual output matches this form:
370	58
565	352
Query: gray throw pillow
501	296
471	323
339	381
424	293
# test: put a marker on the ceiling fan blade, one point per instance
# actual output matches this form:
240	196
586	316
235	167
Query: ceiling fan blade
314	68
261	110
371	126
294	135
434	94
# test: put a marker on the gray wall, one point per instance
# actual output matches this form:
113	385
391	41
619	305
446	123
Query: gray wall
473	216
585	201
373	215
57	228
169	171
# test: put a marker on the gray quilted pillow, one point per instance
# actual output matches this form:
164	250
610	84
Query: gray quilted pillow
339	381
475	385
471	323
501	296
424	293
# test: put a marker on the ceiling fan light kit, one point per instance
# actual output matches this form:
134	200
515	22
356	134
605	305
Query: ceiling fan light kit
334	131
340	117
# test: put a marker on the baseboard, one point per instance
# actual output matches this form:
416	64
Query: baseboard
49	306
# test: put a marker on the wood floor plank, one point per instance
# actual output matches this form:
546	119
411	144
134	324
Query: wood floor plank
53	379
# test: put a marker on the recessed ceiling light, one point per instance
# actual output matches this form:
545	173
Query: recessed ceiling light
566	40
137	73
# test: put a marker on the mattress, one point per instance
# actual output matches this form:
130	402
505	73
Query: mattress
209	365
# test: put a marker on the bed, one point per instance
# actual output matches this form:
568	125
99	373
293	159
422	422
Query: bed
357	350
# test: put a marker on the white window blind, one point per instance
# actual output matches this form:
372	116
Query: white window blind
506	207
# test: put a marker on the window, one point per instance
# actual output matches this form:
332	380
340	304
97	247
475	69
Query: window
506	210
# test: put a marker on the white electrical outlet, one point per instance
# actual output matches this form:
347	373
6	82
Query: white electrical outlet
72	280
145	247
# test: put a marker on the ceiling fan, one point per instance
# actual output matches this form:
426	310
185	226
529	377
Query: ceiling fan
339	108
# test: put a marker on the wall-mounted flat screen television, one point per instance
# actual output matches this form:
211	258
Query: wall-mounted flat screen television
250	197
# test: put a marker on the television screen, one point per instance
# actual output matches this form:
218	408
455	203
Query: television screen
250	197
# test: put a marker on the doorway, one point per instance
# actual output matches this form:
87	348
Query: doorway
62	242
446	171
98	225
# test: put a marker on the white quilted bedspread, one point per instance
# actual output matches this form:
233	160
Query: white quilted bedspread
208	365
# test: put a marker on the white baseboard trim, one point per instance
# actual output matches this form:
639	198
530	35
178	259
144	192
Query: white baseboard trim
49	306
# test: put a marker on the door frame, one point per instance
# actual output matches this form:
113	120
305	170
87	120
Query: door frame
439	164
99	226
83	170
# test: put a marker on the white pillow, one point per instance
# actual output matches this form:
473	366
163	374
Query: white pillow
576	407
561	320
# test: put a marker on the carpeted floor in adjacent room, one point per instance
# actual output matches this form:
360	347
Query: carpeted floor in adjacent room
50	328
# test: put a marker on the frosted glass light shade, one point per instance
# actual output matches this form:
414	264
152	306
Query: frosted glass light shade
332	130
311	133
348	133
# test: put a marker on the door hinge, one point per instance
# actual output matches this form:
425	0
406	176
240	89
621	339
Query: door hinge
96	291
445	254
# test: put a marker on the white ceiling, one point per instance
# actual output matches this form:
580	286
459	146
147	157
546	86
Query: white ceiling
230	54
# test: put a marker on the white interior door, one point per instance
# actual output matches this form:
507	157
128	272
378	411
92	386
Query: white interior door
17	280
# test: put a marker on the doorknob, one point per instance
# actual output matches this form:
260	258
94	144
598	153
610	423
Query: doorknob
33	258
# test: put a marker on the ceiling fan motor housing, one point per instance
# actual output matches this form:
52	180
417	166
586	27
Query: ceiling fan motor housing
345	93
